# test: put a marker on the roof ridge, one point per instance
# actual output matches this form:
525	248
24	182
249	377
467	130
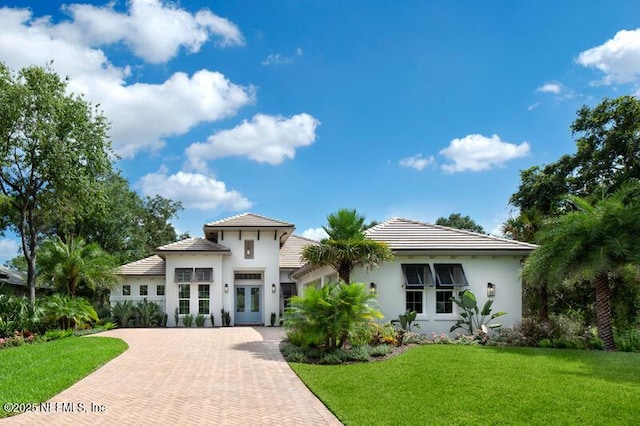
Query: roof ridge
304	238
237	216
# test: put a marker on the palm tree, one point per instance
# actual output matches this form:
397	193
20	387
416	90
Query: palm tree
347	246
593	243
68	265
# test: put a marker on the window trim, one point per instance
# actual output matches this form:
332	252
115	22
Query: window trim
182	299
164	290
207	299
126	290
440	290
146	290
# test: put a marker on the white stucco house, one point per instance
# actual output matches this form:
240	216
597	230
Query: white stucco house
250	266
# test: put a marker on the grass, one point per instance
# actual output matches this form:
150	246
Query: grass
36	372
442	384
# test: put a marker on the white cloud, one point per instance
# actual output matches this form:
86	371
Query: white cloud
550	88
476	152
265	139
8	249
417	162
193	190
618	58
141	114
276	59
299	51
533	106
316	234
155	30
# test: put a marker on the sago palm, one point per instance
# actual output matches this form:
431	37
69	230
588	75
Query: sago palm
592	243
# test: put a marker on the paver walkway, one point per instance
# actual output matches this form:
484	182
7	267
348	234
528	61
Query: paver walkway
223	376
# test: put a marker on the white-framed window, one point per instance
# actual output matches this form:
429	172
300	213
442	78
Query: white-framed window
160	290
248	275
183	275
204	275
184	299
416	278
204	299
448	276
144	290
126	290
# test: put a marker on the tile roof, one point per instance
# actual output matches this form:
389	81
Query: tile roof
152	265
403	234
290	253
248	220
11	276
193	244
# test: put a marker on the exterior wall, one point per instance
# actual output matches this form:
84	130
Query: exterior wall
135	283
266	259
216	290
503	271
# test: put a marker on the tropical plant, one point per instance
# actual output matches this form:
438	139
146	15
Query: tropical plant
72	263
226	318
347	246
330	315
122	313
472	318
593	243
147	314
68	312
273	318
406	320
199	320
17	314
187	320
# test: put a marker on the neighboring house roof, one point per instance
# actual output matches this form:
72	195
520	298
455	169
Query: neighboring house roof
192	244
248	220
290	253
410	235
152	265
10	276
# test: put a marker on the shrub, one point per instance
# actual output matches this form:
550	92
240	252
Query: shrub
69	312
16	314
473	318
380	350
329	316
440	339
122	313
629	340
384	335
330	358
187	320
147	314
199	320
57	334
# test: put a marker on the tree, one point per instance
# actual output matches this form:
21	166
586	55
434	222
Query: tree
594	243
74	263
456	220
347	246
54	152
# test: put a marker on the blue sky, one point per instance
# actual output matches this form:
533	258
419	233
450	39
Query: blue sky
295	109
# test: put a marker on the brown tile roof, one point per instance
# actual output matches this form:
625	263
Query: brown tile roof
291	251
248	220
404	234
193	244
152	265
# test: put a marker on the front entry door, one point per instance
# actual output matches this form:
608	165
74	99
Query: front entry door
248	302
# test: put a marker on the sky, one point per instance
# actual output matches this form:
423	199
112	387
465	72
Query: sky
294	109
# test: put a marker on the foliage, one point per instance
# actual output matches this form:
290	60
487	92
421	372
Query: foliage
58	334
213	320
385	335
17	314
591	243
347	246
456	220
68	312
35	373
73	263
147	314
629	340
406	320
54	152
199	320
226	318
273	318
330	315
122	313
187	320
473	318
528	386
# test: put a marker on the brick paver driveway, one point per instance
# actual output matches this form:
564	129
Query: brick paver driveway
223	376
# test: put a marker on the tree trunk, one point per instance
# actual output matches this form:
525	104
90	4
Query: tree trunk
603	312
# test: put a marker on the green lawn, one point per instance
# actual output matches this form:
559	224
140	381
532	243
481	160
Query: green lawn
34	373
444	384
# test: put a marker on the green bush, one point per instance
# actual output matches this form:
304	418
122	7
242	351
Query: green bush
16	314
629	340
380	350
122	313
199	320
384	335
331	315
147	314
331	358
58	334
187	320
68	312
